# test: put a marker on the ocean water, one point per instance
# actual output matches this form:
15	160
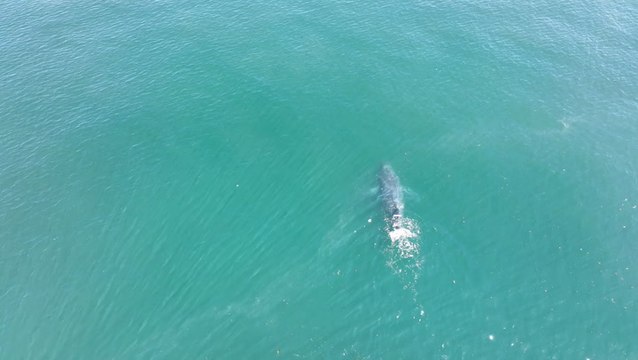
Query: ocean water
197	180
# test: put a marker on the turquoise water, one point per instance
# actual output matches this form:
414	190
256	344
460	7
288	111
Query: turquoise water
194	180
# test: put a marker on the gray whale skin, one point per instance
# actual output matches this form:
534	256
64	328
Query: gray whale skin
391	195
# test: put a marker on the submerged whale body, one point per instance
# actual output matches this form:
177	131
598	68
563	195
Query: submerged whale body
391	195
403	232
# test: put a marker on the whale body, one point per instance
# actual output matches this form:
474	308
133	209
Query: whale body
391	195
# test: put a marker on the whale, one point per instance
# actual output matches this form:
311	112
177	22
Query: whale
391	195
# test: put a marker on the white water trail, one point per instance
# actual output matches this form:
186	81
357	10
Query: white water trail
404	257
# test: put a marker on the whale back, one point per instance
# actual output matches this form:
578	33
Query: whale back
390	192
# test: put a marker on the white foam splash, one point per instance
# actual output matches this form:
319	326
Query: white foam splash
404	258
404	236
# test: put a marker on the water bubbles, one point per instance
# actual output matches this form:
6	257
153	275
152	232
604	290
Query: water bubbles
403	257
404	238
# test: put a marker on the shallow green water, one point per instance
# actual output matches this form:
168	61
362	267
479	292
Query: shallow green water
190	180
